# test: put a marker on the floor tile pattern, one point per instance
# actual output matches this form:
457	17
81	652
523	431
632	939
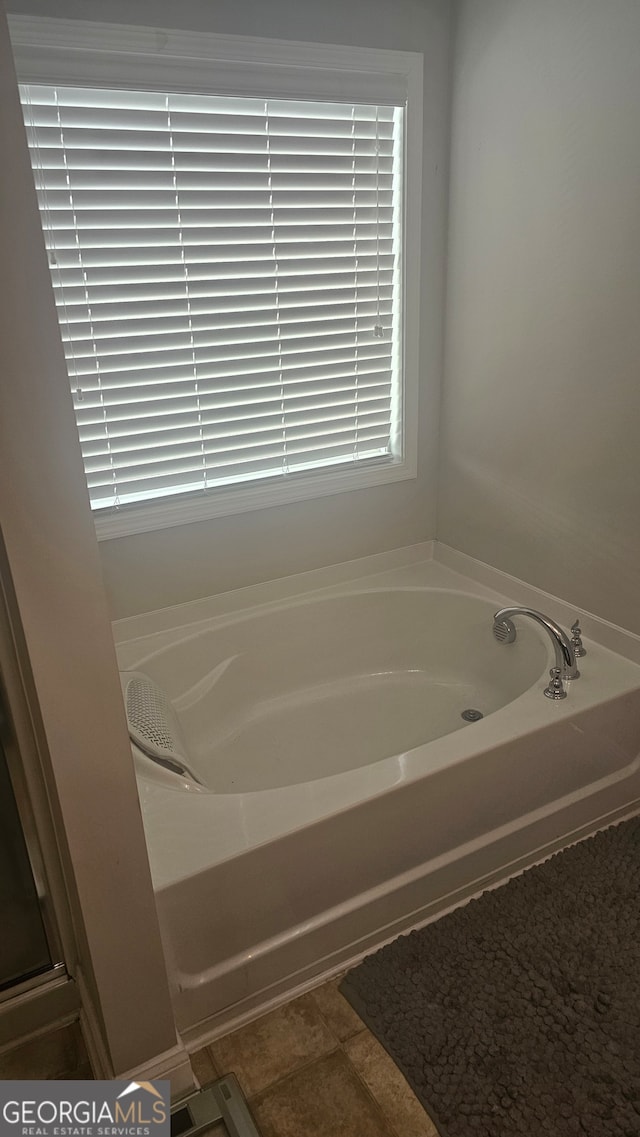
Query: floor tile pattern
312	1069
308	1069
275	1045
323	1098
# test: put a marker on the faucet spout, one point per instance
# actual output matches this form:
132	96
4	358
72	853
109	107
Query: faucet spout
504	631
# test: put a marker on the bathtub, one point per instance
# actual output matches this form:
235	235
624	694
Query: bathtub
341	797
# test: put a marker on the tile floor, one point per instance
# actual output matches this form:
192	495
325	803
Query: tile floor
308	1069
312	1069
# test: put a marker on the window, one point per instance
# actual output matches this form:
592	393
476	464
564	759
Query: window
229	265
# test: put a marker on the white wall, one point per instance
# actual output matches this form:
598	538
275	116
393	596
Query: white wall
540	470
51	552
156	569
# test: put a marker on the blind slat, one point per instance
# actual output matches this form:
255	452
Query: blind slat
226	273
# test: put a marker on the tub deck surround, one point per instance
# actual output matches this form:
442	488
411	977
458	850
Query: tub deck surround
341	803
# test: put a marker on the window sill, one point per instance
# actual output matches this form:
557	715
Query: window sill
258	495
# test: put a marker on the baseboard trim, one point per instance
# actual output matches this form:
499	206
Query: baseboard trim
173	1064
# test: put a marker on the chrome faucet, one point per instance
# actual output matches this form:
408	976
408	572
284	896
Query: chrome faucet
504	631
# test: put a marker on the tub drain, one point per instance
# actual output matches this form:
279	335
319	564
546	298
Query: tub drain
471	716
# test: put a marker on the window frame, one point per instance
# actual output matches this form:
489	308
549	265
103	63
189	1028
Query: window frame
76	52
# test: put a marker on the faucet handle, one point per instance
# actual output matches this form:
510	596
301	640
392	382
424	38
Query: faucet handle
576	639
555	690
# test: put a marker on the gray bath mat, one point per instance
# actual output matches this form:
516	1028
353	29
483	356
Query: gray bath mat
519	1014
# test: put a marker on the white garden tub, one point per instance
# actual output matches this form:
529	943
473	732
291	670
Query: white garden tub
343	796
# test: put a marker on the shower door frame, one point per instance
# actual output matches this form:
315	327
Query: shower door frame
49	998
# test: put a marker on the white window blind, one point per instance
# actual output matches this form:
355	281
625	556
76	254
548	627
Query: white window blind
227	276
